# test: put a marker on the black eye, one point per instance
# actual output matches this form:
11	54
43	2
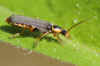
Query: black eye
64	32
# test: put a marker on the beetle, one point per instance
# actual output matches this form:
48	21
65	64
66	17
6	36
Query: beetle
44	27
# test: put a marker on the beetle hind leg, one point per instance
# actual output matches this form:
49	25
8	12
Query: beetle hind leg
31	28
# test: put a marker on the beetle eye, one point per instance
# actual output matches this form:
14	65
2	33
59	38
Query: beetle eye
64	32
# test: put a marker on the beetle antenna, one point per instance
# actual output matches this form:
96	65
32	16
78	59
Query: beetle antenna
75	25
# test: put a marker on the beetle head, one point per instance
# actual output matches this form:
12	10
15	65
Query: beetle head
58	29
65	33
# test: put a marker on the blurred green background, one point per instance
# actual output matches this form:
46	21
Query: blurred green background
82	49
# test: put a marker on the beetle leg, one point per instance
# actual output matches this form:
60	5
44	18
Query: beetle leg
56	35
41	36
22	31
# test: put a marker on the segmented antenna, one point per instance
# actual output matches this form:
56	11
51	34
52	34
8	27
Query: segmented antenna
73	26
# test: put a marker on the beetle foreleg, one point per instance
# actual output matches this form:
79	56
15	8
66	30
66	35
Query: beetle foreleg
41	36
56	35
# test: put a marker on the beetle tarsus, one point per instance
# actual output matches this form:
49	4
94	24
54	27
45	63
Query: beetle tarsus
39	38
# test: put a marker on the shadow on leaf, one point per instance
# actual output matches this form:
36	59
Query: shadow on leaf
27	33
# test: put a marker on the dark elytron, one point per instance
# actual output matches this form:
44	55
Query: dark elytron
42	26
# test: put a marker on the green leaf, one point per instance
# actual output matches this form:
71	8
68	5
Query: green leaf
83	47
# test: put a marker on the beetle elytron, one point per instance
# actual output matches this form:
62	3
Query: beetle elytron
43	26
